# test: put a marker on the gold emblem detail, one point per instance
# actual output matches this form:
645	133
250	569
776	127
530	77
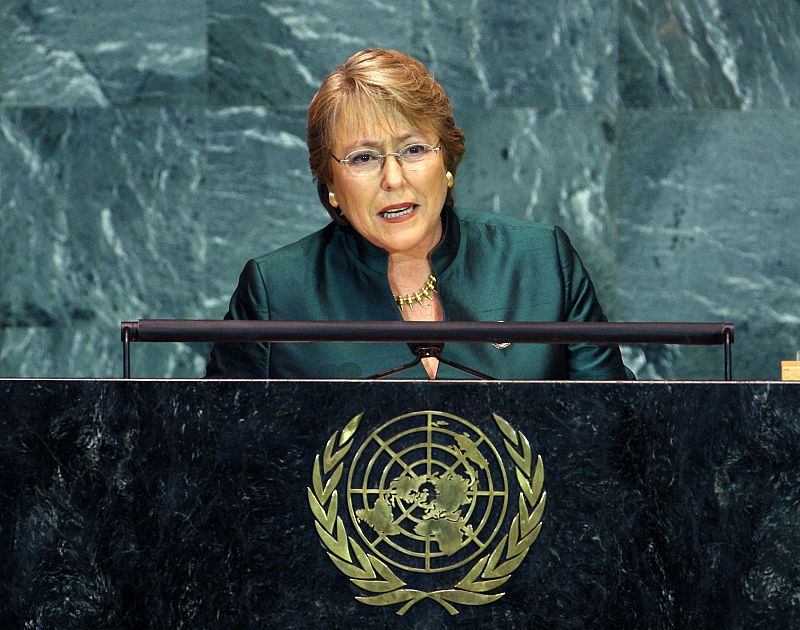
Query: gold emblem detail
436	508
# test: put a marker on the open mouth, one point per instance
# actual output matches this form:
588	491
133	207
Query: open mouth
396	213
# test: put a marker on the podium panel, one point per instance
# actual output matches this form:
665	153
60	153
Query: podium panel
398	504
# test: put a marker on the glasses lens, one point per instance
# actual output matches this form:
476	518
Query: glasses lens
417	156
364	161
414	157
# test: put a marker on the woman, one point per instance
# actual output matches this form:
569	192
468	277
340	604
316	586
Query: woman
384	149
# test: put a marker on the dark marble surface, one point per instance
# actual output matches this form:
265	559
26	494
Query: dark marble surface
81	53
183	504
530	53
700	235
149	148
85	247
698	54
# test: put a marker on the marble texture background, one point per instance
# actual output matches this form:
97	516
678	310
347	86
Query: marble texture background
148	148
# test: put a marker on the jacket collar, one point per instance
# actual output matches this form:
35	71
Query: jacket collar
377	259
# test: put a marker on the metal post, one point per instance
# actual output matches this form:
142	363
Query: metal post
728	358
126	352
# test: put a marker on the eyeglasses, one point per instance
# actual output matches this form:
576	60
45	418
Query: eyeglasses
414	157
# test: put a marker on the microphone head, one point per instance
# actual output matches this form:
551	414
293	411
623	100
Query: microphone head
427	349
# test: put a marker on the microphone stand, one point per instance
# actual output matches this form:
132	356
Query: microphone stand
425	350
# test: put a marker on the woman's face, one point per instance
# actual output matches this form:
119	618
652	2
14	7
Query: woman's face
396	209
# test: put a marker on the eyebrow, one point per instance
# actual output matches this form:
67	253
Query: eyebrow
377	144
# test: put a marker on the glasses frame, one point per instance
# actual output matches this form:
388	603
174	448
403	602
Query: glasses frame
348	161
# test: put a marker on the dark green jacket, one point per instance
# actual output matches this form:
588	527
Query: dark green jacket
489	268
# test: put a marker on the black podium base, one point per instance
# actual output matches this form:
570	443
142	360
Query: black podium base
171	504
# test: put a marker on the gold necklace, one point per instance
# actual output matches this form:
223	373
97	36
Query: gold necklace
424	292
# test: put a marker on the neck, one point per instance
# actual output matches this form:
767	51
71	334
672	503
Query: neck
409	270
407	273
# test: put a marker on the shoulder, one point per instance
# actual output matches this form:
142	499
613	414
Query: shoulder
298	253
495	230
485	223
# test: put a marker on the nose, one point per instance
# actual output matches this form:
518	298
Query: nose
392	175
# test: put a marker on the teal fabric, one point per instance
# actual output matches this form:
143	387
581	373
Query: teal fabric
489	268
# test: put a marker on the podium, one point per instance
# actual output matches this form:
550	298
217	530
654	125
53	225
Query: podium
134	503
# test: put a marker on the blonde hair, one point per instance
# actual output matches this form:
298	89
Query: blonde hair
383	83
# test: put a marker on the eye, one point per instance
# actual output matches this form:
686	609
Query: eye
414	150
363	157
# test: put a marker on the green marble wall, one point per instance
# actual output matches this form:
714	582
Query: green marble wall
148	148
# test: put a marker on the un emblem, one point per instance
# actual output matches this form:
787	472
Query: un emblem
427	494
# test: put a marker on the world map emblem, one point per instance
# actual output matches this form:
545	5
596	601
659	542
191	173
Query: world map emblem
428	502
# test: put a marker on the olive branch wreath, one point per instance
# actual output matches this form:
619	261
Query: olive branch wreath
371	574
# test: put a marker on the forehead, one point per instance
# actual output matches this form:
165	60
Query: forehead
366	121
